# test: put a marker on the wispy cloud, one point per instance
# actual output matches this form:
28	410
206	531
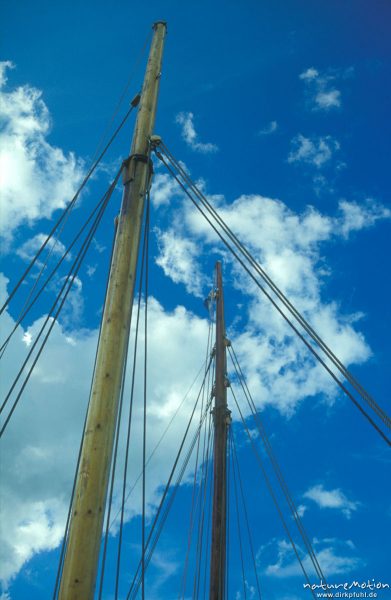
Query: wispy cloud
334	556
333	499
189	134
270	128
177	259
314	151
321	90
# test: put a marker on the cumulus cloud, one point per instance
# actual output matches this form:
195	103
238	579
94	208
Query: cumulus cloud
320	87
334	499
41	441
335	557
289	245
314	151
177	259
37	178
189	134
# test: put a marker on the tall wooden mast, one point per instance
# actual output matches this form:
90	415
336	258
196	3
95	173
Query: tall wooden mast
85	531
221	416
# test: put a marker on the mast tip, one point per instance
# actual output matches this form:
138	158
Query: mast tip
156	23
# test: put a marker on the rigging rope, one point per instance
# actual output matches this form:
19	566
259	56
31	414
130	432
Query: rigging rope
67	209
277	291
238	523
236	461
194	501
152	542
204	497
271	492
365	396
68	282
275	465
125	471
27	308
145	400
65	537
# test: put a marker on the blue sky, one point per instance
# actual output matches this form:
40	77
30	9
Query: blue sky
281	112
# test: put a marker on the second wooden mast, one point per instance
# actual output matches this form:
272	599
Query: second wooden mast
222	419
85	530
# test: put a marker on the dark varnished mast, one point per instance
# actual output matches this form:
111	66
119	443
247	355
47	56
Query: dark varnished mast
221	416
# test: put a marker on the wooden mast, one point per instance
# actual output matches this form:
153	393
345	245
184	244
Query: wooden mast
85	530
221	416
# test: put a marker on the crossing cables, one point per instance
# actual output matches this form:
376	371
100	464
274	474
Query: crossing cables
271	290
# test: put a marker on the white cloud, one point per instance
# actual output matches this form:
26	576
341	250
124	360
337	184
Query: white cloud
356	216
37	178
289	245
189	134
270	128
309	74
4	65
164	189
322	93
334	556
329	99
334	499
42	439
315	151
177	259
29	249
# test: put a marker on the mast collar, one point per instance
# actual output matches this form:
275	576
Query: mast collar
156	23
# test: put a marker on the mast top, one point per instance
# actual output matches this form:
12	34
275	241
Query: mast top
156	23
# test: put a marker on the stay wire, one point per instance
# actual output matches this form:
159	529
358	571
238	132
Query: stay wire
236	460
27	308
204	499
272	494
194	488
151	543
129	425
76	263
145	400
65	537
124	92
112	481
159	441
285	317
358	387
166	511
68	208
236	494
228	514
205	475
68	281
99	145
208	530
275	465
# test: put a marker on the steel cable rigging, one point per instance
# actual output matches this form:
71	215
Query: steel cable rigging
276	290
55	309
274	463
67	209
196	499
271	492
235	462
161	514
65	537
171	165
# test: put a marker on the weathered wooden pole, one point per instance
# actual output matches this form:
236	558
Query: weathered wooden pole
85	530
221	416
